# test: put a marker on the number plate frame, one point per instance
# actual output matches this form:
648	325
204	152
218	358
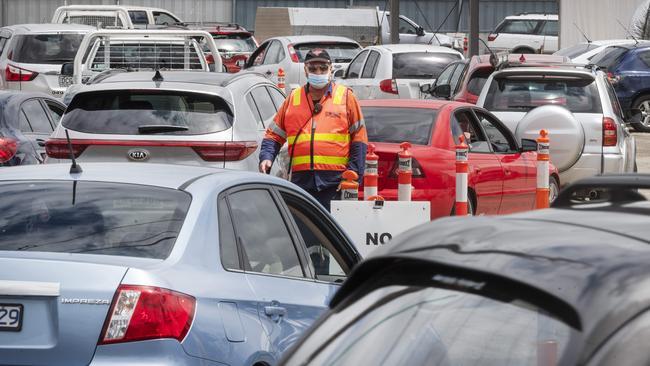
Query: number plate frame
8	328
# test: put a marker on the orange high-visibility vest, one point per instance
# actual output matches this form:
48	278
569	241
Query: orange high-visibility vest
324	143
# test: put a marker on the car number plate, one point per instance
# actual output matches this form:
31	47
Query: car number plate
11	317
65	80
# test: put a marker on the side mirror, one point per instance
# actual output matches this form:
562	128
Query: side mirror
442	91
67	69
634	115
528	145
419	31
339	74
426	88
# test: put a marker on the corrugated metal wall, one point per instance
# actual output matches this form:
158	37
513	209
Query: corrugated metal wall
39	11
435	11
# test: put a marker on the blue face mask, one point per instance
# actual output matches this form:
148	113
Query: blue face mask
318	81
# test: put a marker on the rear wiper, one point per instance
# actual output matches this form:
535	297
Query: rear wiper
521	106
145	129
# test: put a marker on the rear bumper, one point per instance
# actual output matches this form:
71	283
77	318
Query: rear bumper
154	352
590	165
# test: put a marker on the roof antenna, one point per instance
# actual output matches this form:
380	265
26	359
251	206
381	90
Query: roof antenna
582	32
74	169
636	41
158	76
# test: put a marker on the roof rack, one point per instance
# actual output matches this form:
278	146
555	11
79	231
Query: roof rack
609	188
216	24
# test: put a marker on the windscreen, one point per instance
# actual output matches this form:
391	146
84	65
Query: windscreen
338	51
133	112
46	48
421	65
523	93
396	125
429	326
478	79
234	43
609	57
577	50
91	217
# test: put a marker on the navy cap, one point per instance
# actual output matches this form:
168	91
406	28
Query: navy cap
318	55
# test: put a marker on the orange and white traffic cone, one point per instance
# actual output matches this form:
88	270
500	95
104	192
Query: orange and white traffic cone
543	158
371	176
462	170
404	173
350	186
281	78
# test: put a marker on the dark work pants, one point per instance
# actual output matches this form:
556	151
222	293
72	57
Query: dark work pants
325	196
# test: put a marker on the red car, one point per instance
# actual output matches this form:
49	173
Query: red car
466	78
503	174
234	42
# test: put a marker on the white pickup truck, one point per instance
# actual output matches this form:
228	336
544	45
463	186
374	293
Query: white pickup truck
114	16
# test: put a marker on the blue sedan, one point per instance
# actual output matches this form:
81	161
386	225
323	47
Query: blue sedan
128	264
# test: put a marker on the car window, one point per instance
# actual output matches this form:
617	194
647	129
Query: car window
37	116
56	112
91	217
243	42
445	76
338	51
396	125
518	26
325	260
609	57
273	53
519	93
496	134
550	28
644	57
258	55
138	17
177	112
23	122
277	96
264	239
455	77
46	48
264	104
421	65
463	123
354	70
370	68
3	42
477	80
616	106
255	110
163	18
577	50
227	240
405	27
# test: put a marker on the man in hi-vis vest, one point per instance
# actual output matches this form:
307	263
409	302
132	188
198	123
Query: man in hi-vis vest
324	127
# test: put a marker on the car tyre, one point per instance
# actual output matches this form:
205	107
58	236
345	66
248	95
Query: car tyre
553	189
643	103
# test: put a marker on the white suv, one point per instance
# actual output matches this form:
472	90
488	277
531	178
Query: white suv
579	109
526	33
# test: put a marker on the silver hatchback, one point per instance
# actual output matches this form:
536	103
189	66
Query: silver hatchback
180	117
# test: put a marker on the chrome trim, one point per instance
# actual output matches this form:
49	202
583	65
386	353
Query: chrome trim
29	288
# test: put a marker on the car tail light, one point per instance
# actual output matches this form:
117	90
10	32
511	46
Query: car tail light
14	73
416	169
8	148
613	79
208	151
492	37
388	86
143	312
465	44
610	134
292	53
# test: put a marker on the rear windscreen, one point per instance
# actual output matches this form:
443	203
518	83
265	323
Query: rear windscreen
46	48
396	125
477	80
234	43
133	112
523	93
91	217
609	57
421	65
338	51
577	50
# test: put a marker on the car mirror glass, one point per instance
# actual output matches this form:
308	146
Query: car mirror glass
339	74
419	31
528	145
442	91
67	69
426	88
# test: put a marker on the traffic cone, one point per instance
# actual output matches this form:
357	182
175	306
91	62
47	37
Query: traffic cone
405	173
370	176
281	76
543	158
462	170
350	186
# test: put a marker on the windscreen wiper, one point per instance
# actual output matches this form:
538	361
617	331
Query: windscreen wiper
146	129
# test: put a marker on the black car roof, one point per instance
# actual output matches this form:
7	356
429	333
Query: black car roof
594	259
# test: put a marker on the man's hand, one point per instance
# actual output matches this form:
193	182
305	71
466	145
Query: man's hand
265	166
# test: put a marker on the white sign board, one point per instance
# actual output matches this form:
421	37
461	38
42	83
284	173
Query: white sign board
370	227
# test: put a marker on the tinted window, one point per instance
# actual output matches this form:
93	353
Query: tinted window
258	55
163	18
497	138
56	112
445	76
277	96
406	27
518	26
24	124
397	125
147	55
234	42
106	218
463	123
227	239
354	70
455	77
370	69
477	81
127	111
645	58
338	51
273	53
37	116
421	65
138	17
46	48
550	28
3	42
264	104
577	50
609	57
254	110
263	236
525	93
